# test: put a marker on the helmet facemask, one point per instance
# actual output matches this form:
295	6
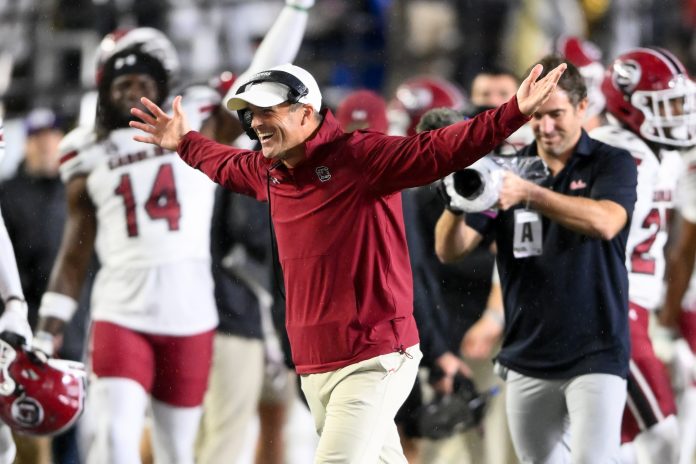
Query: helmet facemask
670	114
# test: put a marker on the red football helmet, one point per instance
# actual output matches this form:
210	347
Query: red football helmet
38	396
587	57
417	95
649	90
363	109
150	40
223	82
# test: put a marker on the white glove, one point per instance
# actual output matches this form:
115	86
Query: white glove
300	4
14	319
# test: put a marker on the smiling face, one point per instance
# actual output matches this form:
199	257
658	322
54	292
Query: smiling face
282	129
557	125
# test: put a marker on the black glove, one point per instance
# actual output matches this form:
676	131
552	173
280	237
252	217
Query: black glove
446	199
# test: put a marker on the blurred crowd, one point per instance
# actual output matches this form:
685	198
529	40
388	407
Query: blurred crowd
50	45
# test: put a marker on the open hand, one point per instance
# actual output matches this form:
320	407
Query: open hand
165	131
532	93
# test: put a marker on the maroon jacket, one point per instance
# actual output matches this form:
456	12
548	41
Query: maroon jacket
340	229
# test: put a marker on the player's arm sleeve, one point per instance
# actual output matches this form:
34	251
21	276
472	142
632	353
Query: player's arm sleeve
241	171
10	285
394	163
77	158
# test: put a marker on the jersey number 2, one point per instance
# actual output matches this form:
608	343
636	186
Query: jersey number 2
161	203
641	260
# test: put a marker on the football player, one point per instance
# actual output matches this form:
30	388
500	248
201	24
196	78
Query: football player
415	96
679	309
650	100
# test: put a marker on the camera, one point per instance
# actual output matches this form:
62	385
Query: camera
477	187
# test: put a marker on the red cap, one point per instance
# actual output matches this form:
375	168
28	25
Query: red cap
363	109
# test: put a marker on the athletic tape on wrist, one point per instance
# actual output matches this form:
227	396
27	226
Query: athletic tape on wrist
57	305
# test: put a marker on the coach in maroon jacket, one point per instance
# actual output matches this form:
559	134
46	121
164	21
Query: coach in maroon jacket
336	210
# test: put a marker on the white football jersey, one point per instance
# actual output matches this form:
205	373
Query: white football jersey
656	191
153	231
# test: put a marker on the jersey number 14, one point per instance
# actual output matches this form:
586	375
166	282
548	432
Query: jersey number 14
162	202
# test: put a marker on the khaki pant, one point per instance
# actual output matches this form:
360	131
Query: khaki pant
231	399
354	408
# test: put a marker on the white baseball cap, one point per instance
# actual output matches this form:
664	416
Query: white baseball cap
268	91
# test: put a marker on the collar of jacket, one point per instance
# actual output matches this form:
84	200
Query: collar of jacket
329	129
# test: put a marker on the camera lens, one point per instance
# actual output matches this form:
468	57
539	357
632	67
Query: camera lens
468	183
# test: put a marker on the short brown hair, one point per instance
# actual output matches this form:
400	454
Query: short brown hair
571	81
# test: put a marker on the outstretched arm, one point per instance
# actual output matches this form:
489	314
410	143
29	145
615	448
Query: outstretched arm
396	163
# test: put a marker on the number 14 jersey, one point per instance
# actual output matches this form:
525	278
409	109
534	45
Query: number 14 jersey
153	234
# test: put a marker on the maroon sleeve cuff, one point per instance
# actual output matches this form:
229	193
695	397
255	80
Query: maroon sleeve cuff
185	142
513	113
